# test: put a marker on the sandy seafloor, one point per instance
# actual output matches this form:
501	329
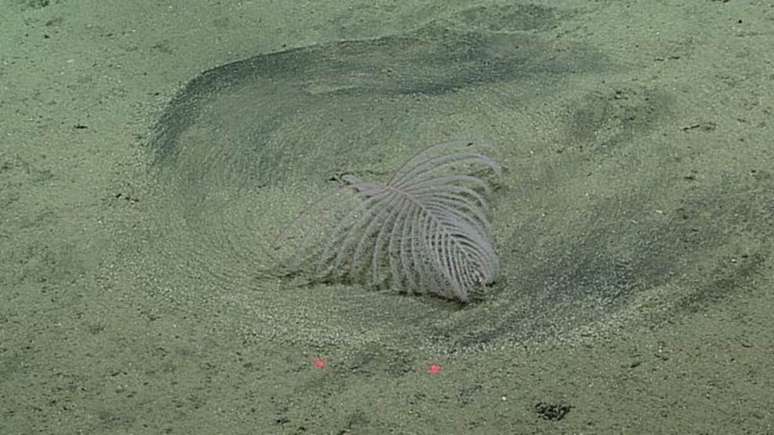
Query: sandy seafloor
633	220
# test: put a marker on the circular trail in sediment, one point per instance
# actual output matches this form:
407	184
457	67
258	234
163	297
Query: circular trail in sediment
243	147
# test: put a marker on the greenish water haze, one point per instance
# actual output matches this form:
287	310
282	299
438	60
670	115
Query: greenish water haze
150	151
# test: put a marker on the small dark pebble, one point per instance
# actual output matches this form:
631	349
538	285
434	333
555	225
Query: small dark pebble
552	411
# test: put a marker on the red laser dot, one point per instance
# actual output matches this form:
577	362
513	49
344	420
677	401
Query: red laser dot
435	369
320	363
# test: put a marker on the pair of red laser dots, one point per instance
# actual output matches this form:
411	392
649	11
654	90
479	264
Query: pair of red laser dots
433	369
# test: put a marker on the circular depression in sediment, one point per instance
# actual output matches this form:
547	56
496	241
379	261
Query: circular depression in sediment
243	147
